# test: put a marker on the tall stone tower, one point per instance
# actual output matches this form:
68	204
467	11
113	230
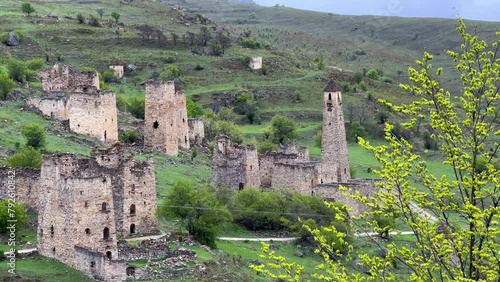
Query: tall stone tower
165	118
334	161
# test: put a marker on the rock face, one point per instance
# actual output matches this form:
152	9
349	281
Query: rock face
13	39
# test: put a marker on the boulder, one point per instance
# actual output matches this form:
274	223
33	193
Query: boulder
273	247
52	15
299	254
357	264
13	39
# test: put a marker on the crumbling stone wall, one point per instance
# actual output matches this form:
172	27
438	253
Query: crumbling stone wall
26	185
147	249
331	192
94	113
296	177
119	70
75	96
235	166
87	203
255	63
99	267
196	131
54	105
67	79
165	122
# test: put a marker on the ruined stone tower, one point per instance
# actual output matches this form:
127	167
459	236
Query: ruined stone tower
165	118
334	162
235	166
86	205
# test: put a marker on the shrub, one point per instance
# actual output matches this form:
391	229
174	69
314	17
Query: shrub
27	8
108	76
121	104
346	87
80	18
35	135
387	79
318	139
6	209
266	147
363	85
130	136
194	110
355	130
27	157
6	85
250	43
170	73
4	37
136	107
360	52
373	74
93	21
199	67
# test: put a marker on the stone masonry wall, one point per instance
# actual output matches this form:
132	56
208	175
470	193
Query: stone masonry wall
74	211
147	249
139	200
196	131
94	113
256	63
55	105
235	166
26	185
296	177
97	266
331	192
119	70
68	80
160	121
182	120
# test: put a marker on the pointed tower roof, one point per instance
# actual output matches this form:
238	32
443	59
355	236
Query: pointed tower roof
332	86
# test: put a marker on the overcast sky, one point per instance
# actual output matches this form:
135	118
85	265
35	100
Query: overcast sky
486	10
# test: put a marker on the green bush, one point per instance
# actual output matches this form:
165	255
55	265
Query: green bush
387	79
80	18
266	147
93	21
130	136
4	37
283	130
136	107
27	157
373	74
355	130
318	139
35	135
17	209
170	72
108	76
6	85
194	110
121	104
27	8
250	43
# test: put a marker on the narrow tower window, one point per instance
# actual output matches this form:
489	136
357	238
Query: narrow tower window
155	124
132	209
105	233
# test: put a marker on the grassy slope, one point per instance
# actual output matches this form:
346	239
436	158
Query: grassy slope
300	37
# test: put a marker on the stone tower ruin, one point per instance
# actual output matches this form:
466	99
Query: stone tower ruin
86	205
334	162
74	96
165	118
235	166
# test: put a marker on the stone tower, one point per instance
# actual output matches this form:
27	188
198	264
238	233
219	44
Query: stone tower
165	118
334	161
